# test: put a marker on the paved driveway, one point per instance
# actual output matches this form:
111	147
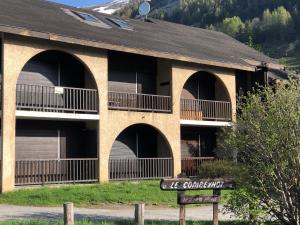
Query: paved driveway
10	212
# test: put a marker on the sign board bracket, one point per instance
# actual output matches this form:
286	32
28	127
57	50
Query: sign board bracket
182	185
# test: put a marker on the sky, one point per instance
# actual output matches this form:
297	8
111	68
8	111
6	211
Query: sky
79	3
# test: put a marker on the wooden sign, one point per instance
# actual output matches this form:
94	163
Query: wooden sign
198	199
195	184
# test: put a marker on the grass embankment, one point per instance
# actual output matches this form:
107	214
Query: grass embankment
147	192
114	223
293	62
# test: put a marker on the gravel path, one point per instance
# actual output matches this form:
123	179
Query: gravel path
10	212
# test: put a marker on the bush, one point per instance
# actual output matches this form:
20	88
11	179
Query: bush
220	169
266	141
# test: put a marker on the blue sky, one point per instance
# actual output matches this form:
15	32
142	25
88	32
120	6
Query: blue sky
78	3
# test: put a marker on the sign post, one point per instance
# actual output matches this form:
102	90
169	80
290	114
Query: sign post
216	208
180	195
184	184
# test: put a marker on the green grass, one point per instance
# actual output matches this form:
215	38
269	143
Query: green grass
147	192
115	223
293	63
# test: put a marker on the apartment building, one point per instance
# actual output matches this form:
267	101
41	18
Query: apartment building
88	97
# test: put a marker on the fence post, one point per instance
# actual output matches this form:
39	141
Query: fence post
139	214
216	208
182	211
68	213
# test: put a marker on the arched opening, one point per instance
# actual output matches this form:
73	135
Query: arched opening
204	100
140	152
205	97
57	121
55	81
56	68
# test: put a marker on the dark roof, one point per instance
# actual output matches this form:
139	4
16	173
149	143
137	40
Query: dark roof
274	74
178	41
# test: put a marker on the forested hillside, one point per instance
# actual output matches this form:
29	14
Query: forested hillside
271	26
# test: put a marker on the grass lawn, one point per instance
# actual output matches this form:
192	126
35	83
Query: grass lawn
293	62
115	223
147	192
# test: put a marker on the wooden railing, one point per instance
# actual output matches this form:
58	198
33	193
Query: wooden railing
141	168
56	171
56	99
139	102
196	109
190	166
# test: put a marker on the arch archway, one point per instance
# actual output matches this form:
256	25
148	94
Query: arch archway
205	85
57	120
205	97
205	100
56	81
57	68
139	152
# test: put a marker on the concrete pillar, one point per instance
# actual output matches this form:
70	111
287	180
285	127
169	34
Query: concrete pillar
98	66
176	80
8	122
103	127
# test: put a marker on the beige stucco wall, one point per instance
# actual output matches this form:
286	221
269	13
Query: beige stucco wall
17	51
115	122
181	72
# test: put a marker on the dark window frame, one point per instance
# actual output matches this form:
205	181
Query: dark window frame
120	23
87	17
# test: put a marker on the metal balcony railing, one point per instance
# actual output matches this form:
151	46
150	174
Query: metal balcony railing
51	171
139	102
197	109
140	168
56	99
190	166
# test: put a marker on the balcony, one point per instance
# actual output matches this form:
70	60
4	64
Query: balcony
190	166
53	171
85	170
40	98
140	168
139	102
197	109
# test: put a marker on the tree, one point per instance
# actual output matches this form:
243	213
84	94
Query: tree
279	23
265	142
232	26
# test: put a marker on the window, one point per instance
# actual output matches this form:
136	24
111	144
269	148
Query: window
87	17
120	23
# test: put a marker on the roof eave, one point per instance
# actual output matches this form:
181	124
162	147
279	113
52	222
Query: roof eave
269	65
166	55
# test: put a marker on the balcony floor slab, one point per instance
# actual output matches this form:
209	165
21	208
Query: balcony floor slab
55	116
205	123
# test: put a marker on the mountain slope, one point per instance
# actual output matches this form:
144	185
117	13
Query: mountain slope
110	7
271	26
157	7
